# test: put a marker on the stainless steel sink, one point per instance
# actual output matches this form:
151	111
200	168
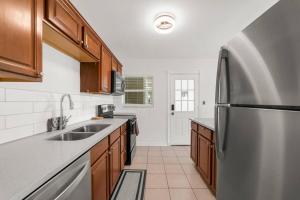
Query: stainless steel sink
71	136
80	133
91	128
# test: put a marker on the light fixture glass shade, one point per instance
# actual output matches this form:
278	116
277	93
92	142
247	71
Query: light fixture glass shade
164	23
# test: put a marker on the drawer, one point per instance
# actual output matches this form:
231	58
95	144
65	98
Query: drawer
114	136
99	149
194	126
205	132
123	128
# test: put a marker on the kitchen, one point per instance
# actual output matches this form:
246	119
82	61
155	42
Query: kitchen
149	100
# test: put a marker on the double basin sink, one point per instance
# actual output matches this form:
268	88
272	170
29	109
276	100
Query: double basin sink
80	133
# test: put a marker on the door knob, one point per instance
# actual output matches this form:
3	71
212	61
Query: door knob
172	113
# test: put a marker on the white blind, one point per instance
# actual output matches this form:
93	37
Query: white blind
139	90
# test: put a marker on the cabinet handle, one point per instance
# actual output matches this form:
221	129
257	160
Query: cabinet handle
109	153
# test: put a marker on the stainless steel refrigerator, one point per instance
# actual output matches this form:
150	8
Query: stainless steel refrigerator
257	110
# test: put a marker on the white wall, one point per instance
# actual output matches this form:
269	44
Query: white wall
25	107
153	122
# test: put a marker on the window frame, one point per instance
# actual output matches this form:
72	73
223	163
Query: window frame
139	105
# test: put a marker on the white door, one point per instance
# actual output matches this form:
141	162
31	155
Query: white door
183	92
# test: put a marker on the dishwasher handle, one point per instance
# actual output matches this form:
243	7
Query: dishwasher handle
74	183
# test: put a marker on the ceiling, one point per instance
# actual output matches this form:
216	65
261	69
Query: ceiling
202	26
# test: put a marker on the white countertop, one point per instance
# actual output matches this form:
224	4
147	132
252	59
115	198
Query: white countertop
28	163
207	122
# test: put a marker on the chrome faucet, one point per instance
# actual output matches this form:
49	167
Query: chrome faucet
62	120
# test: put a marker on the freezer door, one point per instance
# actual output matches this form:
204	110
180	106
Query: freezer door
260	158
264	59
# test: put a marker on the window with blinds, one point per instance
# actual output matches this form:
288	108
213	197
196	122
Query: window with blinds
139	90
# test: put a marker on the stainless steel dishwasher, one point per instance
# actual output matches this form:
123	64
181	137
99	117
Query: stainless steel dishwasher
72	183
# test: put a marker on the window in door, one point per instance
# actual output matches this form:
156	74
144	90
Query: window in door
184	95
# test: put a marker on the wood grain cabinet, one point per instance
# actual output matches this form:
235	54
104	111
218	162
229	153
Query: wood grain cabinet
114	64
203	154
61	15
21	40
91	42
120	69
194	146
106	59
115	163
204	161
100	178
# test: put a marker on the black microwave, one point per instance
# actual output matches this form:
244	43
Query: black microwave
117	84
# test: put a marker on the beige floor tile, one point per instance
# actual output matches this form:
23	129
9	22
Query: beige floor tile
138	166
170	160
189	169
166	148
155	169
181	148
177	181
155	148
203	194
143	148
141	153
158	181
140	160
154	153
168	154
157	194
182	194
185	160
182	153
173	169
155	160
196	181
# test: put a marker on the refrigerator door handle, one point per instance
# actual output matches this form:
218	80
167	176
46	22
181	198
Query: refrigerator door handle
222	84
221	121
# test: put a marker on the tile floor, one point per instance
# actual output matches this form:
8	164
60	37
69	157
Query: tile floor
171	174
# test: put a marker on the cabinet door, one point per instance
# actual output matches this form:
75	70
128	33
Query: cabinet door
214	169
115	164
194	146
91	43
64	17
100	178
114	64
21	37
120	69
106	70
123	149
204	158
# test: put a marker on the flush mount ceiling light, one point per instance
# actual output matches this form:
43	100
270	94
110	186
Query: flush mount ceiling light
164	23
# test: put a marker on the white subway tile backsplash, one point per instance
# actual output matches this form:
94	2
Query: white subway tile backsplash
46	106
11	108
26	119
2	94
2	122
25	95
8	135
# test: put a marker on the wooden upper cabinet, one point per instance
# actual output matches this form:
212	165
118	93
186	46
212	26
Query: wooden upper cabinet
100	178
60	13
91	42
120	69
114	64
21	40
106	61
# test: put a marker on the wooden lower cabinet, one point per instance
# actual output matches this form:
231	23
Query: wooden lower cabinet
204	161
100	178
115	164
203	154
194	146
